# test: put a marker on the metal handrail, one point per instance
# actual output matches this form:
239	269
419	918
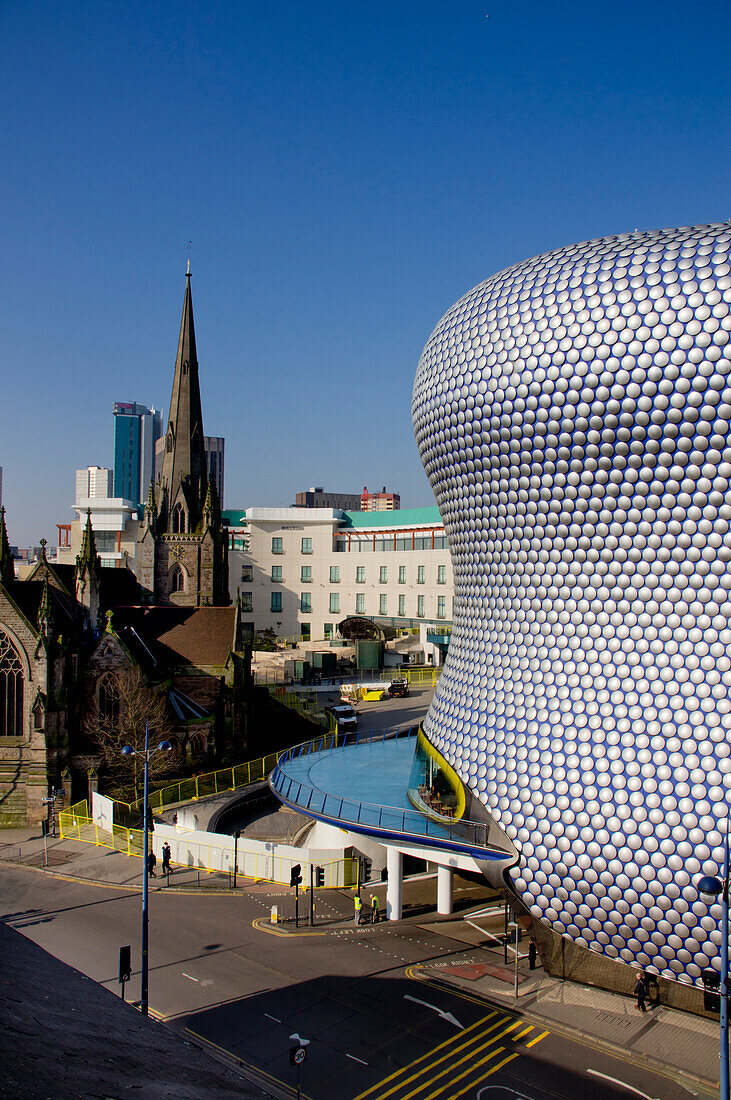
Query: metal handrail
412	822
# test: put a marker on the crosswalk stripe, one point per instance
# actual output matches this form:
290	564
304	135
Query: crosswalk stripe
537	1039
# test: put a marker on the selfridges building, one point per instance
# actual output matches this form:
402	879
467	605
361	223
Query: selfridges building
573	414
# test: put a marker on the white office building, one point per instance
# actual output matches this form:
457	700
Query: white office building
113	519
301	571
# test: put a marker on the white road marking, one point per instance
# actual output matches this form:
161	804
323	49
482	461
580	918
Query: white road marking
445	1015
622	1084
190	977
276	1021
356	1059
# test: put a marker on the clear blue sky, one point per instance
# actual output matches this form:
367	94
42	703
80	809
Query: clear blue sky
345	172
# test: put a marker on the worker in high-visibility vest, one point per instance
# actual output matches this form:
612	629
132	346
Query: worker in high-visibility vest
374	909
358	905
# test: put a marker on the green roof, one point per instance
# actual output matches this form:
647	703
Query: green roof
235	517
403	517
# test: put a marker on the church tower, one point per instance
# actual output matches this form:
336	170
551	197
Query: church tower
183	553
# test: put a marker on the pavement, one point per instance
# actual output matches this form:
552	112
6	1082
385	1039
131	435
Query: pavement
683	1047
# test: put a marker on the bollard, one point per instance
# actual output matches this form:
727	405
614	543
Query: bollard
275	914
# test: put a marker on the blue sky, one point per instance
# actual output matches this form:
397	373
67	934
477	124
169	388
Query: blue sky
345	172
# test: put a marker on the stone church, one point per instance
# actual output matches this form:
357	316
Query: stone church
66	631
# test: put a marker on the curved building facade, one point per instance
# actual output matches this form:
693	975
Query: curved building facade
573	414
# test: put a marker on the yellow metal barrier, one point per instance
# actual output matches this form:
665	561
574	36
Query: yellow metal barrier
200	786
76	824
421	676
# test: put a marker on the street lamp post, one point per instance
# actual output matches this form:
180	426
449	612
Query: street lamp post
513	924
128	750
710	888
237	834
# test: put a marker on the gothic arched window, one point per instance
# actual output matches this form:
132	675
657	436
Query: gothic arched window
177	579
108	696
178	519
11	690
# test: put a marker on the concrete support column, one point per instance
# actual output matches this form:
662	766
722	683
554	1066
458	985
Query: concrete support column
445	883
394	887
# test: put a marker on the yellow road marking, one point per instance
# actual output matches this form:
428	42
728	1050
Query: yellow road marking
440	1091
261	924
449	1057
481	1077
538	1038
423	1057
522	1033
493	1069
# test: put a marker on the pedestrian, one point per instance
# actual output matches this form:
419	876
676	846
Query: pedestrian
532	953
358	904
374	909
166	853
640	991
151	861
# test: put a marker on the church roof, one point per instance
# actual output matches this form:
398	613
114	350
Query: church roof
28	597
167	637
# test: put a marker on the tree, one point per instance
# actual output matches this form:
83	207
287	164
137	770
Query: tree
124	706
265	641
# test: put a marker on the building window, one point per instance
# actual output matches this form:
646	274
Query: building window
421	574
334	574
402	605
334	603
441	574
441	607
383	575
328	630
276	572
247	573
402	574
420	607
178	520
306	546
276	601
306	602
305	632
306	574
108	701
277	547
247	601
360	603
360	574
383	604
177	579
11	690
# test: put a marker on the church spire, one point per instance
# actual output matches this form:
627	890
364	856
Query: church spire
7	569
184	474
87	560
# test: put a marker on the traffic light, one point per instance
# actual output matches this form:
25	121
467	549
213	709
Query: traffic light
319	876
295	875
365	869
711	995
125	964
150	822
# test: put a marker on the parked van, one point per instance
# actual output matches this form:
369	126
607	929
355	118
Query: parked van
344	716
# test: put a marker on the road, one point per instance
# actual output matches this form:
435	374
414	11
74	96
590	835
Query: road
380	1025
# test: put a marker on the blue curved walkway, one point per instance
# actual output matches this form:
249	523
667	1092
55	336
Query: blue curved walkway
363	787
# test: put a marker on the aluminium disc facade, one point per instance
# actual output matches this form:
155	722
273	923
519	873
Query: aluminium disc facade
573	414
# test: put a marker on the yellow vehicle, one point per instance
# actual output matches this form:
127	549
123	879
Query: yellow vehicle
373	695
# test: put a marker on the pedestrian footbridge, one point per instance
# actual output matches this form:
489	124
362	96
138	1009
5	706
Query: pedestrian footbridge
365	783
